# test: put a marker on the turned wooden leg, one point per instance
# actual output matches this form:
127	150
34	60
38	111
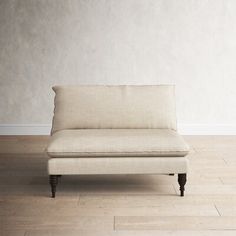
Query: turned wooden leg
53	180
182	178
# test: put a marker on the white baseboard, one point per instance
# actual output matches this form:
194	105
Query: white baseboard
25	129
184	129
207	129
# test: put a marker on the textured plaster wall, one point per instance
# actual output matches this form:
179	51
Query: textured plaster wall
191	43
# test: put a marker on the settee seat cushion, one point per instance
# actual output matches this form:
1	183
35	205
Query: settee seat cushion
117	143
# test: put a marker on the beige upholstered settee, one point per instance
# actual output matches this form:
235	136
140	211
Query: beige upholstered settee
115	130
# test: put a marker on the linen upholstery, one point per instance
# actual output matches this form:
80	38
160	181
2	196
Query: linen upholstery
114	107
122	165
117	143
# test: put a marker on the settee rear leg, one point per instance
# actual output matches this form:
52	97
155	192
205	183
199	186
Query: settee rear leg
182	178
53	180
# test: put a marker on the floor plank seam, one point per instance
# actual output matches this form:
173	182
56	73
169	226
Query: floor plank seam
78	202
225	161
174	189
221	181
113	223
217	209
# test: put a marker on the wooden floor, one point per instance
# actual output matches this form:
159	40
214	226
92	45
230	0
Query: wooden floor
118	205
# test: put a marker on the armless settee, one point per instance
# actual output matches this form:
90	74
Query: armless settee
115	130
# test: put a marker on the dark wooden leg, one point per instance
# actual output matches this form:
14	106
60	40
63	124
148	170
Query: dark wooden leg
53	180
182	178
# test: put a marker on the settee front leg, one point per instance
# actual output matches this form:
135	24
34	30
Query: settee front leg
53	180
182	178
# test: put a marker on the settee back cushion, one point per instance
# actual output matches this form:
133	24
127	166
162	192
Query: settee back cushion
114	107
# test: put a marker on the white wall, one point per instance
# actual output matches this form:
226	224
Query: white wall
191	43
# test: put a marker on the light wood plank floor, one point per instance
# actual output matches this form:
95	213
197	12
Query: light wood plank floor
124	205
